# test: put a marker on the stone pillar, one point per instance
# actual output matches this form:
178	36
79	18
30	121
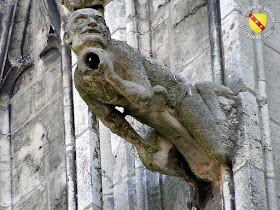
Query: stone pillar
89	183
5	156
70	145
245	74
107	166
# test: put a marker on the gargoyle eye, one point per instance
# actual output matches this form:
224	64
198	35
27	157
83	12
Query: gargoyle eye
80	17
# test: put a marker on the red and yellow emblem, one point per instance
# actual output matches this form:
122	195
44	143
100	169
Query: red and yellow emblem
257	22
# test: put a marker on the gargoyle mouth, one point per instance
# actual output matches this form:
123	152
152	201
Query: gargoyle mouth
89	31
92	61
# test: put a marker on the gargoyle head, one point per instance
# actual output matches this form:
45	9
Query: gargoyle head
86	28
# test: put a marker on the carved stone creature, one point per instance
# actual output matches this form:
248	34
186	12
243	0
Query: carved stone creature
192	127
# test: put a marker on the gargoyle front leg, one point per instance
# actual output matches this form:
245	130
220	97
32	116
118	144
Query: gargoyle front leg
116	121
221	103
140	92
135	93
210	92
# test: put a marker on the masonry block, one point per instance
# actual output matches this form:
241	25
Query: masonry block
238	57
226	7
55	160
177	193
124	164
250	188
20	108
191	39
199	69
5	185
4	150
58	190
161	38
4	123
26	177
24	80
275	133
117	18
88	170
121	195
250	148
37	200
272	72
81	111
50	60
272	40
39	94
183	9
119	35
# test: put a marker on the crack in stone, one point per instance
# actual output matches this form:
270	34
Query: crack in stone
193	12
162	5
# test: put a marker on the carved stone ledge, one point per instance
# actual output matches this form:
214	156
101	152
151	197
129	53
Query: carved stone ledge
73	5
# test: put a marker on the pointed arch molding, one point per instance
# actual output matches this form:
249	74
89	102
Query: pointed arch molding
13	61
16	52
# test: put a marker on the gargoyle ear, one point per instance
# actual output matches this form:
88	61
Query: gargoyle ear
67	38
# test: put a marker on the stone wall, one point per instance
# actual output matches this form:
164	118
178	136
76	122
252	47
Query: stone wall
249	66
33	170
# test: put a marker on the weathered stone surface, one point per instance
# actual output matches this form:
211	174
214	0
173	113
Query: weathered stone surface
250	191
177	194
5	174
35	150
275	133
88	170
5	150
24	80
117	19
57	193
191	37
272	39
272	60
4	114
239	59
182	10
229	6
161	38
20	104
250	149
36	200
199	69
55	160
81	114
241	72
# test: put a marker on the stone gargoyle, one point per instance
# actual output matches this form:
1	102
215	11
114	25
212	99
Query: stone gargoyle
191	126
